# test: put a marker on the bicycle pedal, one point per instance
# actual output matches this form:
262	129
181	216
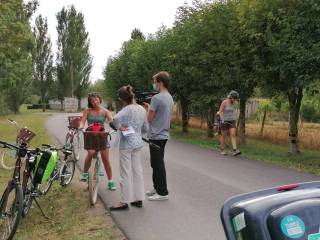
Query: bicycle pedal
35	194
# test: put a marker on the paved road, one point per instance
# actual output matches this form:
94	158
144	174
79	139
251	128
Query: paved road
199	180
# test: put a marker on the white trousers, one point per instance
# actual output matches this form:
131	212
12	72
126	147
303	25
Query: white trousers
131	175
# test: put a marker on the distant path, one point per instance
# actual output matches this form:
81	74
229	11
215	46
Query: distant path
199	180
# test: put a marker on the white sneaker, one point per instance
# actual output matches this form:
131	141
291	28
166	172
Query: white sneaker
151	192
157	197
223	152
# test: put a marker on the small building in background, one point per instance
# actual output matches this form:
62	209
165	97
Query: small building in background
70	104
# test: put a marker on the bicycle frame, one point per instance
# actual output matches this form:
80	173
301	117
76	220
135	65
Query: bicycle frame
16	173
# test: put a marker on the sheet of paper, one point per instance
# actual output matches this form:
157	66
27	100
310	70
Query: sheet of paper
128	132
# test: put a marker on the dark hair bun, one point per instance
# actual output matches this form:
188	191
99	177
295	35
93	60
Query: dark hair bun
126	94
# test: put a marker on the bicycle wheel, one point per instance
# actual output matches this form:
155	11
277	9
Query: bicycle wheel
68	142
67	172
93	181
7	158
27	196
45	187
10	211
76	146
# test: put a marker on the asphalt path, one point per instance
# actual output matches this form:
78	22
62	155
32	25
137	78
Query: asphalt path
199	181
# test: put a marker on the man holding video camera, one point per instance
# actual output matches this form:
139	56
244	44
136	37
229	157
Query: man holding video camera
159	117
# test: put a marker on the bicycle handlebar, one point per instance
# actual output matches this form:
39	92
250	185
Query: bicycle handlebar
9	145
12	146
54	148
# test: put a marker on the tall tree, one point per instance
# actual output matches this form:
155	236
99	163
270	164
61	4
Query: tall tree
136	34
74	61
43	59
288	48
17	44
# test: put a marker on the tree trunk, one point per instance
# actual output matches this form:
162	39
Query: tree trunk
263	121
210	122
61	101
185	115
14	103
242	121
43	103
295	98
79	104
118	106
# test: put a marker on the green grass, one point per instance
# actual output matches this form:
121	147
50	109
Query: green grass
308	161
67	208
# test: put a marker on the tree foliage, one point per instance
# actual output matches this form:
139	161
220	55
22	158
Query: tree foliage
43	59
17	44
216	46
74	62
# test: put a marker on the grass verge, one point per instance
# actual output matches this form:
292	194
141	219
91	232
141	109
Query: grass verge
70	216
308	160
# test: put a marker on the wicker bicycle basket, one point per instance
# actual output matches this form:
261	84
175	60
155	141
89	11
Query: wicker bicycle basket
74	121
95	140
25	136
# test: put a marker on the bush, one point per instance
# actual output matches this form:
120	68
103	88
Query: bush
280	104
3	107
33	99
309	112
37	106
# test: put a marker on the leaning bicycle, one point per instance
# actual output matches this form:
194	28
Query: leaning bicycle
64	169
11	204
73	140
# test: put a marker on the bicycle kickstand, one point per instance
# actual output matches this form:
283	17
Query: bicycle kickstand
42	212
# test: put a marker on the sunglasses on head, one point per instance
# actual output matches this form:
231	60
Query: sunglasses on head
92	94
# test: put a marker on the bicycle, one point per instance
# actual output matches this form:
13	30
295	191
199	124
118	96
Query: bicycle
64	169
12	200
96	141
73	137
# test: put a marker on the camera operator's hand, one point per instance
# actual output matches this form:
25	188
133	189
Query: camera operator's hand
146	106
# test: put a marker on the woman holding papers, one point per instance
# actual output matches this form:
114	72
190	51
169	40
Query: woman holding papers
132	122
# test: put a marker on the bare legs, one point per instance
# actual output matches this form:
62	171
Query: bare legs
106	162
105	159
233	136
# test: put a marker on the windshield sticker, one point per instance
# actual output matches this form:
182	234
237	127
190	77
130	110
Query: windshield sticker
315	236
239	222
293	227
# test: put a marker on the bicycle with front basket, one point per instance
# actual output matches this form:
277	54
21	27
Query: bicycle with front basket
73	137
7	155
12	200
94	141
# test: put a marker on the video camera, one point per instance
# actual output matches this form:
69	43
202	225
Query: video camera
142	97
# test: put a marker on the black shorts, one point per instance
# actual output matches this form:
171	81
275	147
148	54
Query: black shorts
225	126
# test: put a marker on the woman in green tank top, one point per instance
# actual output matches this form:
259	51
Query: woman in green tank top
95	113
227	113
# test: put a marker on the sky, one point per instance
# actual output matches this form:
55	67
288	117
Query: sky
110	22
